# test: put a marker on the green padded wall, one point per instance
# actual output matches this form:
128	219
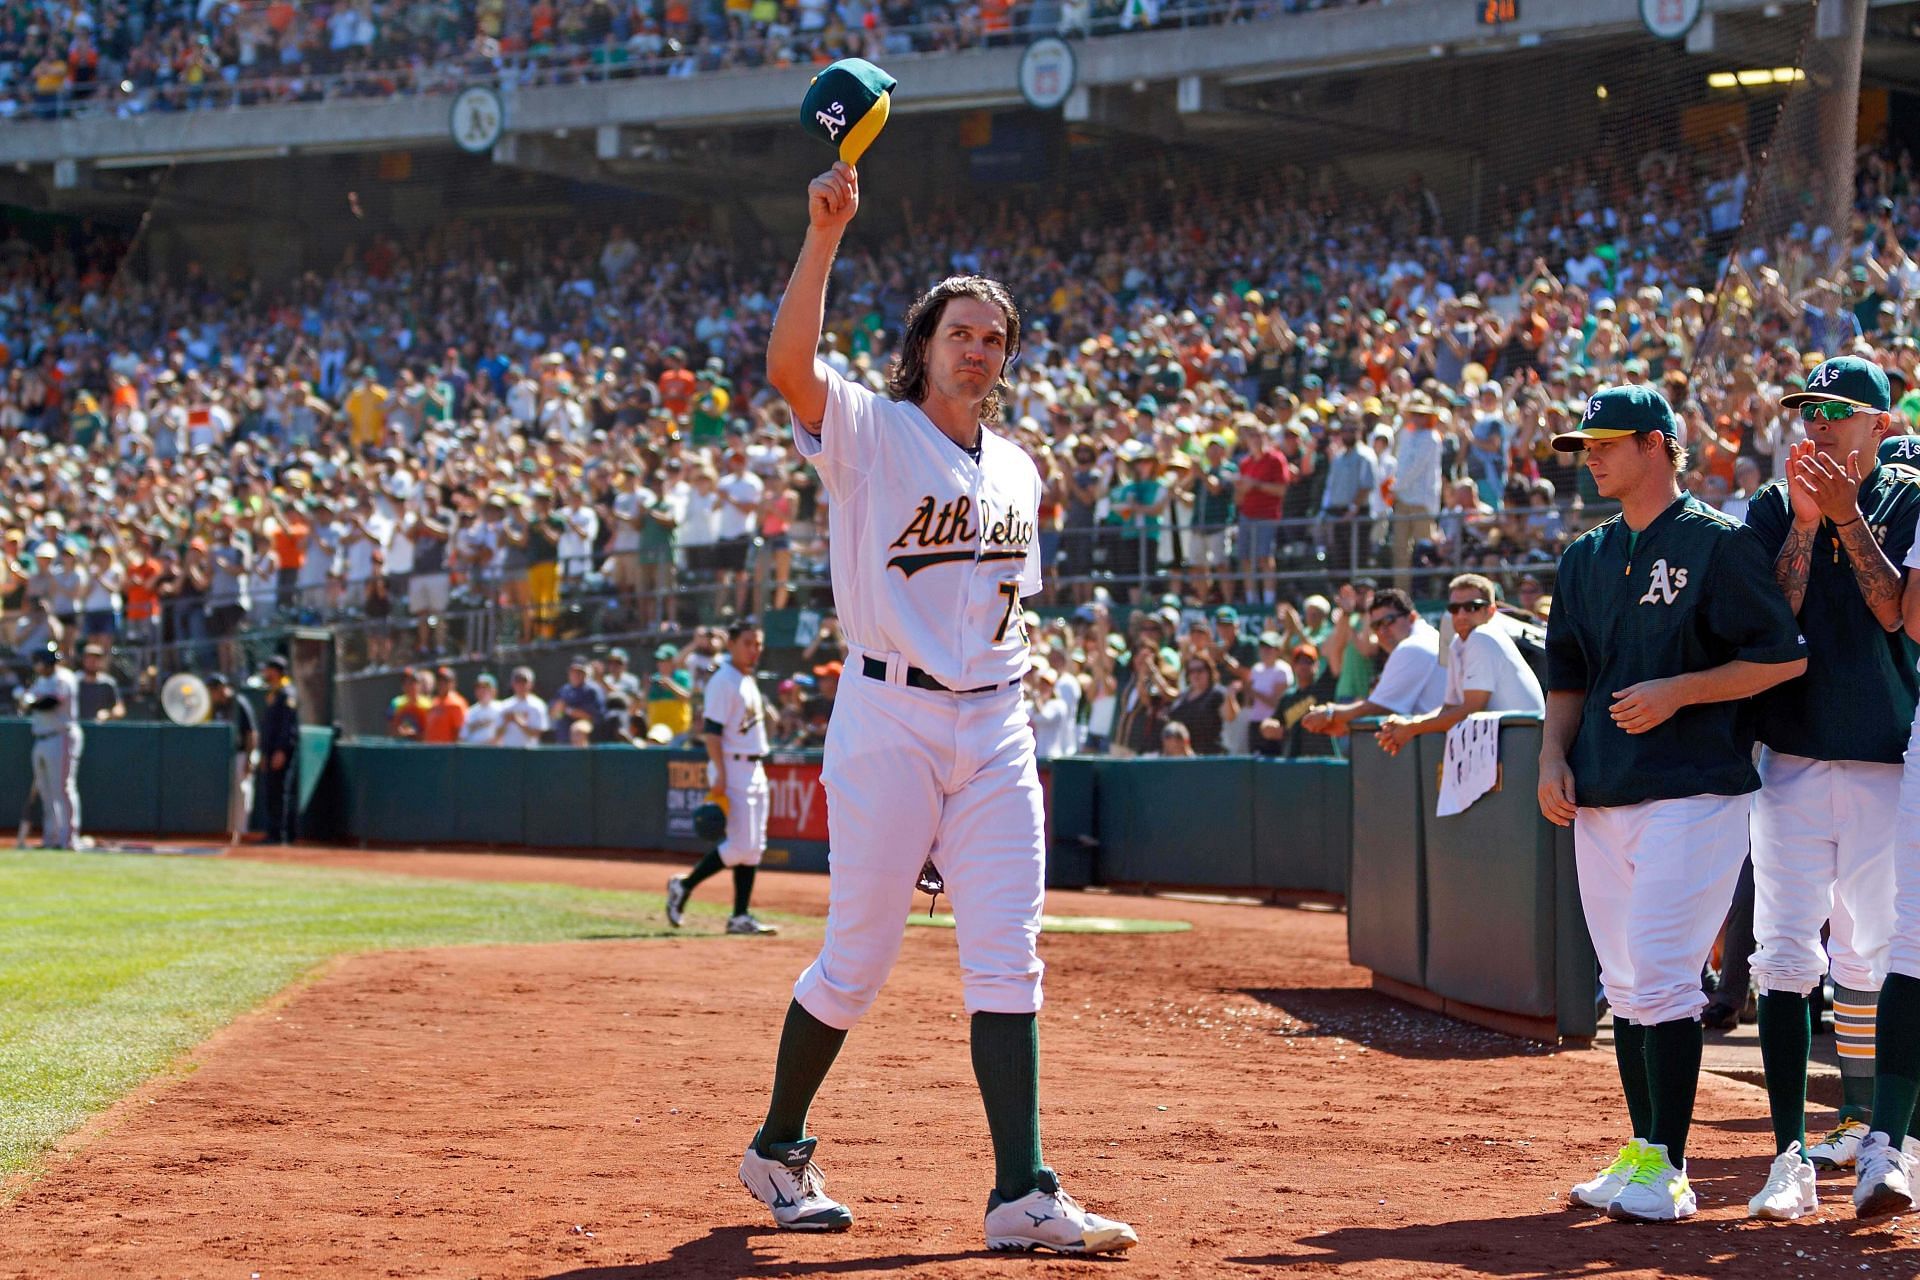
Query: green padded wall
1490	888
120	777
1185	822
629	798
1386	892
1301	811
16	770
1072	821
405	793
491	784
559	790
195	778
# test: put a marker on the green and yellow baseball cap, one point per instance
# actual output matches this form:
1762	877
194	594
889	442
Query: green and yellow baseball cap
1848	380
1904	450
1619	411
847	105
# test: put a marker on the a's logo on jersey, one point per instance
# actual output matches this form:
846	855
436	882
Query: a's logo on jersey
950	533
1665	584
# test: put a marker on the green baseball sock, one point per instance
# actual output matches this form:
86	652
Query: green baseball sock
742	889
707	866
1896	1083
1786	1038
1006	1062
1630	1051
1673	1075
1853	1037
808	1047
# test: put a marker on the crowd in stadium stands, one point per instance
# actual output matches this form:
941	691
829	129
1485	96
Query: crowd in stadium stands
132	56
1246	393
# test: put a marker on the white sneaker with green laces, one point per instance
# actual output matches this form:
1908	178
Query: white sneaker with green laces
1598	1191
1657	1192
1049	1218
1789	1191
1839	1146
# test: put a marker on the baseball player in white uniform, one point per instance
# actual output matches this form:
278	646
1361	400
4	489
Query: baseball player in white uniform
52	700
929	753
735	731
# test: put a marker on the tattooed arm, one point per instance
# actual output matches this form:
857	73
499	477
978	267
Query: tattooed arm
1791	566
1878	580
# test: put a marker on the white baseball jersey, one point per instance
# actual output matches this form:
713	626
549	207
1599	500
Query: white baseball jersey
63	685
935	531
735	704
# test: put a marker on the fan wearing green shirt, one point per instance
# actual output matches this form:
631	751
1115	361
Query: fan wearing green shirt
1665	621
1135	509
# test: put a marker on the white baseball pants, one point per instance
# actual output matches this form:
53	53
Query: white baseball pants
749	801
56	767
1903	954
911	772
1655	881
1822	849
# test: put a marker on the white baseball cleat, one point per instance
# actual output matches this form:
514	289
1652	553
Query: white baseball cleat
1789	1191
792	1185
748	925
1840	1145
676	901
1598	1191
1049	1218
1884	1186
1656	1191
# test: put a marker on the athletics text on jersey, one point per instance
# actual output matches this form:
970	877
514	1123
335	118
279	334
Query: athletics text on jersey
931	551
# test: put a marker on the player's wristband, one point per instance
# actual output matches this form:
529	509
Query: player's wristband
1850	523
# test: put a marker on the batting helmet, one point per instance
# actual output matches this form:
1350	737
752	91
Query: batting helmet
710	823
48	655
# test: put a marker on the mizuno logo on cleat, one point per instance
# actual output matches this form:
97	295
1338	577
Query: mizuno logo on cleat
780	1200
1038	1218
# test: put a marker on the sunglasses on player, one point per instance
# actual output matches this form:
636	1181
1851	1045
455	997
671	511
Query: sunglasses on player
1467	606
1829	411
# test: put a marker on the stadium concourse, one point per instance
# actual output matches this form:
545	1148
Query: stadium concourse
576	1111
505	416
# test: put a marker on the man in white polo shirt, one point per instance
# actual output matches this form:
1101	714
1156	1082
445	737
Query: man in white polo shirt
1412	683
1485	671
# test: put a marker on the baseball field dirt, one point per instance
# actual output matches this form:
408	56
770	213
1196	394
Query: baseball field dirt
577	1110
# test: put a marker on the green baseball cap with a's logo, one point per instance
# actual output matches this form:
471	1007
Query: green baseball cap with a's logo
1616	412
847	105
1847	379
1902	449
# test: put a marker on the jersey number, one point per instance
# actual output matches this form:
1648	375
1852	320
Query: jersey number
1013	620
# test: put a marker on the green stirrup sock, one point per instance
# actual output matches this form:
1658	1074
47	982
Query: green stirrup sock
1786	1038
1897	1082
1630	1051
1673	1075
1006	1062
742	889
808	1047
707	866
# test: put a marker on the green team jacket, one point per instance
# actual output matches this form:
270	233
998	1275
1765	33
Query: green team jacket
1696	591
1857	698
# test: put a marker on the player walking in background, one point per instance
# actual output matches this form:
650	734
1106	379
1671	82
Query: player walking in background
735	730
1835	527
53	701
280	752
246	754
1664	620
935	524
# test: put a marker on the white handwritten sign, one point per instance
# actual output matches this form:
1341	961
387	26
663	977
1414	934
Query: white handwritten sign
1472	764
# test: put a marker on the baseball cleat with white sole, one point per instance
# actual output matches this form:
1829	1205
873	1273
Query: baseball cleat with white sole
676	901
748	925
1598	1191
1884	1185
1049	1218
1839	1146
792	1186
1657	1192
1789	1192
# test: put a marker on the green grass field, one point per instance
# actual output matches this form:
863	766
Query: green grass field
111	966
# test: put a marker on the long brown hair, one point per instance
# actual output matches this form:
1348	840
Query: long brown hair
907	374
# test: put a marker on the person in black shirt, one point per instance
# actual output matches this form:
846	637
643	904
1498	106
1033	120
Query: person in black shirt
99	693
1281	734
280	752
1204	707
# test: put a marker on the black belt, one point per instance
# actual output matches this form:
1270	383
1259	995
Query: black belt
876	669
735	755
